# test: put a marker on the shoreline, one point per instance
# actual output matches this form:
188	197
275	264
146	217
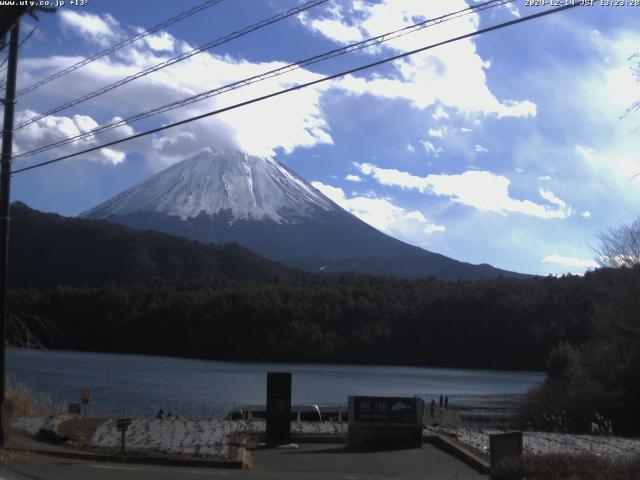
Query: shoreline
213	438
247	361
145	384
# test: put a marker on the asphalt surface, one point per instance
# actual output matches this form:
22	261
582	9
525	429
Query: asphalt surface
310	461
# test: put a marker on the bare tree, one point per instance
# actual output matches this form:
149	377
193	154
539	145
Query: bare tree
619	247
31	331
635	69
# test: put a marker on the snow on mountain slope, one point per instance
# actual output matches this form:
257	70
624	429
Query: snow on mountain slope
231	197
252	188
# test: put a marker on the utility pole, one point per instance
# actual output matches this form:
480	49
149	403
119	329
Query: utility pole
5	199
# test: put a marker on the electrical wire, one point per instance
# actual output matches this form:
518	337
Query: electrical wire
303	85
377	40
118	46
176	59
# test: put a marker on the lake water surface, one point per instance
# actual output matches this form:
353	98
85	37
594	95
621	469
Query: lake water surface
206	388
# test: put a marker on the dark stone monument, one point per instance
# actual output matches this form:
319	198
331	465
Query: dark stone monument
278	408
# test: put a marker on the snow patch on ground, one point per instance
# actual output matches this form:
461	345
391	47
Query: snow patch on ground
545	442
33	425
194	437
213	437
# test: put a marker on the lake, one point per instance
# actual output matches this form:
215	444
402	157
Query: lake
208	389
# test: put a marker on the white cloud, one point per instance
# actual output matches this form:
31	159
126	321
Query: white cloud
410	148
551	198
439	113
482	190
608	81
585	152
513	9
545	178
50	129
480	149
300	124
454	73
438	133
465	130
570	261
334	29
433	228
112	156
586	214
393	177
430	148
353	178
101	29
160	42
383	214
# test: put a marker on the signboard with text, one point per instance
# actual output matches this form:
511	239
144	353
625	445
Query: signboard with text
122	424
84	396
392	422
386	410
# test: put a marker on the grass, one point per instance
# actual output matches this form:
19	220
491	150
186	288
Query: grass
565	466
22	401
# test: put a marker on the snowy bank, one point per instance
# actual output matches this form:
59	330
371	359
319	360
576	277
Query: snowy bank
32	425
195	437
211	437
544	442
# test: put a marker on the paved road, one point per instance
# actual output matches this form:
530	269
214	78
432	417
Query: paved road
310	462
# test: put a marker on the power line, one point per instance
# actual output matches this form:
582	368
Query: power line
377	40
118	46
303	85
266	75
26	39
176	59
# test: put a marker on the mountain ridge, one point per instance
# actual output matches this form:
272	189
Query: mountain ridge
49	250
222	197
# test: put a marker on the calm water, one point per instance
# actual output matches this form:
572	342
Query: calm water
203	388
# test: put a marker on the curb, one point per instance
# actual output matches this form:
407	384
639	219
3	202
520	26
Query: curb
443	443
238	463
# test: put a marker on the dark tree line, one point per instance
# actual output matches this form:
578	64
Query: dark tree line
503	323
150	293
592	384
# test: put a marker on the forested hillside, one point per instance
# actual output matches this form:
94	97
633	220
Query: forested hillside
48	250
504	323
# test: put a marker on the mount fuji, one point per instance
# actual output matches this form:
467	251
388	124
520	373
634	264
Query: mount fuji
232	197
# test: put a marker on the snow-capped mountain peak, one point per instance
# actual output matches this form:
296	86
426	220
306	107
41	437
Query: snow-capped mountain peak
251	188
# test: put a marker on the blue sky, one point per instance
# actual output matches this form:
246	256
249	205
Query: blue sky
507	148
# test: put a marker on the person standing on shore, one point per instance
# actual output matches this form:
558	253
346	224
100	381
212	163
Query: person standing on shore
446	402
433	408
440	401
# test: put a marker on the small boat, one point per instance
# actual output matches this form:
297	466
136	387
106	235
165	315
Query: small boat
299	413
